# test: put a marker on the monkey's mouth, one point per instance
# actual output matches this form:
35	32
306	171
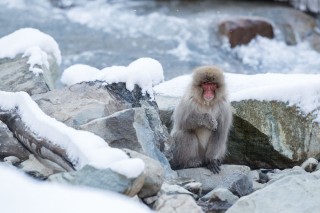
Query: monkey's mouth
208	90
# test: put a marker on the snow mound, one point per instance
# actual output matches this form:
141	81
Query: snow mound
144	72
302	90
30	43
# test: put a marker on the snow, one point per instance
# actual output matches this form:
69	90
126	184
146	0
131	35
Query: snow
130	168
144	72
21	194
82	147
302	90
30	43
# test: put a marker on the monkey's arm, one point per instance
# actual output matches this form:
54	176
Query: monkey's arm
196	120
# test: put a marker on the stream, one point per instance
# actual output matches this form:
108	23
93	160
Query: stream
179	34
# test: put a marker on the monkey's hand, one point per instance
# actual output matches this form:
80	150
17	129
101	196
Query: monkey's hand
214	166
209	122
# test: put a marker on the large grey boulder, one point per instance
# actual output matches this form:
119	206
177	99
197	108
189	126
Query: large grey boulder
122	118
16	76
294	194
105	179
283	137
233	177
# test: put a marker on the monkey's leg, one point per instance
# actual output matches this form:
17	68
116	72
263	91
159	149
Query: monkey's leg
215	152
186	153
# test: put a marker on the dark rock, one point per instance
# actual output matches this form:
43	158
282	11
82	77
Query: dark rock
15	76
242	31
10	146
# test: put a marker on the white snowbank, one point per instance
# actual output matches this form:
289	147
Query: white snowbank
32	43
302	90
20	193
82	147
145	72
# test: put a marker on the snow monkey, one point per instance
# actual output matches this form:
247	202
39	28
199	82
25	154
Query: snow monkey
201	122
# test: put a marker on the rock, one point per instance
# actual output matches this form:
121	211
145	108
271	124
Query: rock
124	119
39	168
285	195
174	189
194	187
255	175
235	178
12	160
105	179
220	194
15	76
271	134
178	203
310	165
257	186
154	174
218	200
279	174
10	146
242	31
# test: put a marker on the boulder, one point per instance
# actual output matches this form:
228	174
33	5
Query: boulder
16	76
154	174
294	194
243	30
9	145
235	178
122	118
271	134
105	179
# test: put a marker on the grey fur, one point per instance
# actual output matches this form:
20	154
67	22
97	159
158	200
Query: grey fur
201	128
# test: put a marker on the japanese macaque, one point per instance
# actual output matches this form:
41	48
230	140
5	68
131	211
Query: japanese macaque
201	122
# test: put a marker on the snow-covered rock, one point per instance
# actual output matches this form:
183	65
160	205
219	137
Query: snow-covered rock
29	61
122	118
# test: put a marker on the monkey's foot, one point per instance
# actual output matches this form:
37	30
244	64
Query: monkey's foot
194	163
214	166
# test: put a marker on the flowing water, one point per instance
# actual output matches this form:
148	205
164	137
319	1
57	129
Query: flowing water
180	34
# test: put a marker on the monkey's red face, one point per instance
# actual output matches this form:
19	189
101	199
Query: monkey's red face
209	90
